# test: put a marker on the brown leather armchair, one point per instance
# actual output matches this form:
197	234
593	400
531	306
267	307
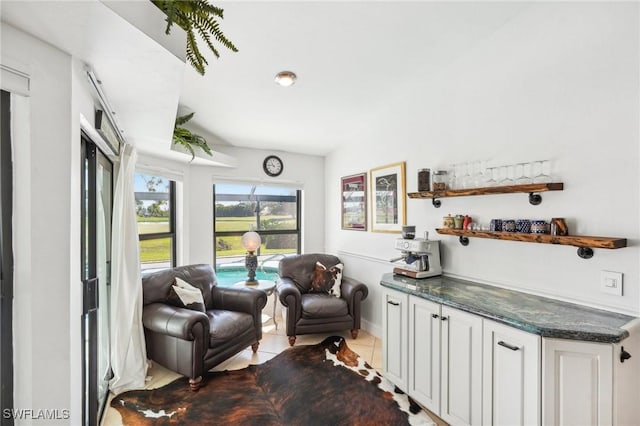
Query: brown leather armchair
308	312
191	342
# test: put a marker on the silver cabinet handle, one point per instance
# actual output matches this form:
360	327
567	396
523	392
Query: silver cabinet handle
508	346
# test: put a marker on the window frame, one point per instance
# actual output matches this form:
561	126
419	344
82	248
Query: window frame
172	234
263	232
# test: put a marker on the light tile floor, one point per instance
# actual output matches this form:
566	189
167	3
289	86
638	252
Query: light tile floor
273	342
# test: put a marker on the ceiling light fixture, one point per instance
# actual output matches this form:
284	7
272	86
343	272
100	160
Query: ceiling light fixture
286	78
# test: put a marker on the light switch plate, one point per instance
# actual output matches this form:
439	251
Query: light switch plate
611	282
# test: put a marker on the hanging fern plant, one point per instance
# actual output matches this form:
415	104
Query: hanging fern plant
187	139
196	17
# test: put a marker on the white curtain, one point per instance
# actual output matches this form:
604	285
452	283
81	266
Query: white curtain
128	351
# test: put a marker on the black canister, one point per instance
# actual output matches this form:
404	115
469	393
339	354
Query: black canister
424	180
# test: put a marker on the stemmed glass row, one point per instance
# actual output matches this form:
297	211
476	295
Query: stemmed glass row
476	174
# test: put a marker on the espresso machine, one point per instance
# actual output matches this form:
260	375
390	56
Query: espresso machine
421	256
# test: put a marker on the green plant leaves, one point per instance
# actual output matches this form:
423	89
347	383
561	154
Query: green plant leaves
196	16
187	139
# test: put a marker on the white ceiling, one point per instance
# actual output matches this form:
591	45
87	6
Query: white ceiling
351	58
141	78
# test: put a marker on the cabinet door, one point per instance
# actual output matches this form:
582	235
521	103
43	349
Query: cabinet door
511	376
394	343
424	352
461	367
626	372
577	383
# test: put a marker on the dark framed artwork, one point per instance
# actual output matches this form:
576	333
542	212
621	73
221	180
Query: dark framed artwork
353	190
388	198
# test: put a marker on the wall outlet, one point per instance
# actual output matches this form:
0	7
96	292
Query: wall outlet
611	282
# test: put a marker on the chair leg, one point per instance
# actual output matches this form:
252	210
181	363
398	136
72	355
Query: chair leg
292	340
354	333
194	384
254	347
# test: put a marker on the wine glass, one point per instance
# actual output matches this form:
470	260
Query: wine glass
479	173
493	173
467	179
541	171
523	173
506	175
452	176
460	172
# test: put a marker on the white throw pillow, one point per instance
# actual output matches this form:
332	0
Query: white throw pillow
185	295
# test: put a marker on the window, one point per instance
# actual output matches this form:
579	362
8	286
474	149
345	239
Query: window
155	211
273	212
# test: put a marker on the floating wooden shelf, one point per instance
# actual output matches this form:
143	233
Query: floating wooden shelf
532	189
584	243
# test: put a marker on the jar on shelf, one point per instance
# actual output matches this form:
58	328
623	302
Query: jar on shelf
424	180
448	222
440	179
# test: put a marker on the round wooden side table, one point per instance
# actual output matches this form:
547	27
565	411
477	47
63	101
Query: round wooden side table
269	287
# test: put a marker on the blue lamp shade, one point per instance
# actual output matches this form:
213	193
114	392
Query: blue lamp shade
251	241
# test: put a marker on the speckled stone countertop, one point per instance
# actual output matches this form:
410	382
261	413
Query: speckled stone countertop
535	314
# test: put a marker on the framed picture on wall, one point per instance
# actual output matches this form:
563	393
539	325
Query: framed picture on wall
353	190
388	198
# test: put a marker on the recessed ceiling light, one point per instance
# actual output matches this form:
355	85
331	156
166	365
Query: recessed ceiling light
286	78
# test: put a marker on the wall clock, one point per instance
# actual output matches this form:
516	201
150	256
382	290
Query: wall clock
273	166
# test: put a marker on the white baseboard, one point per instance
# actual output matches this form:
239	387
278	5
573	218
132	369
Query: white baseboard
371	328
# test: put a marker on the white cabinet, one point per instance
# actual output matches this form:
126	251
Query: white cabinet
461	389
511	376
395	337
471	371
443	356
591	384
577	383
424	352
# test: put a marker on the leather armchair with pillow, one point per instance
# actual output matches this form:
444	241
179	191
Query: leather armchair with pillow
315	300
193	338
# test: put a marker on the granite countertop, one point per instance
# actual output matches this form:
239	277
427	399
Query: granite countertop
535	314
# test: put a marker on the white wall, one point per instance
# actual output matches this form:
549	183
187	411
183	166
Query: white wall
301	171
559	82
47	330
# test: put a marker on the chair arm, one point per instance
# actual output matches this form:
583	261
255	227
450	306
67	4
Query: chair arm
290	298
352	290
288	292
182	323
247	300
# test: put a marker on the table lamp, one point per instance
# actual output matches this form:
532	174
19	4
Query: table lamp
251	241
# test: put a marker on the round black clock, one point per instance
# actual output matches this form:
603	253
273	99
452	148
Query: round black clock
273	166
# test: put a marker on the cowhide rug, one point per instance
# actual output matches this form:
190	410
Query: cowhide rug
323	384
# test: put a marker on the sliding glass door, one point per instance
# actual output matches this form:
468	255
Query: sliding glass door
97	191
